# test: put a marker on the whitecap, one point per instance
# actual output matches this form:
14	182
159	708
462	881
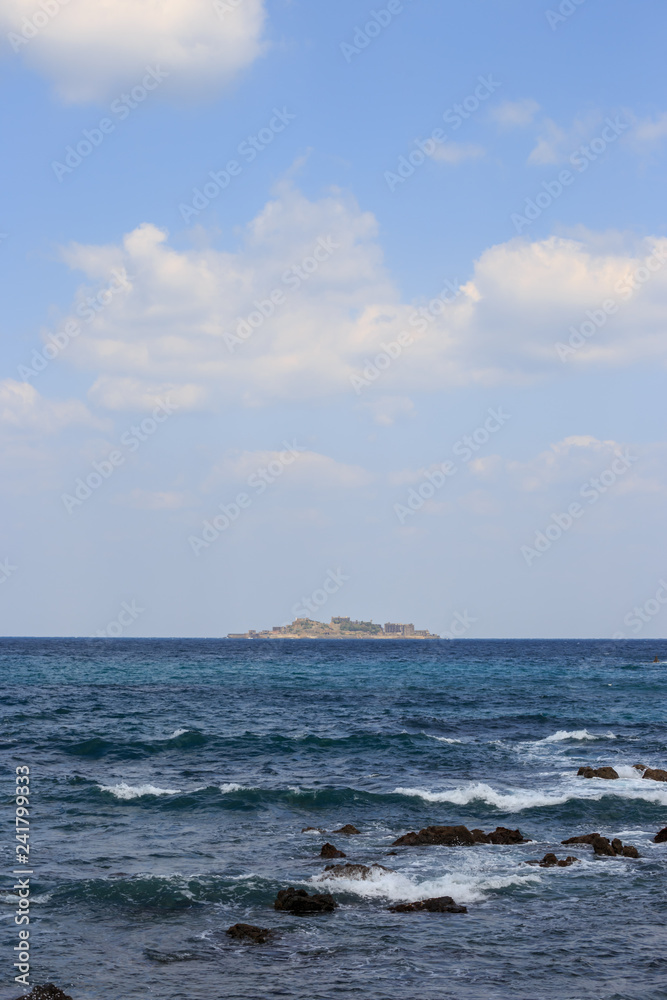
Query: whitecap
576	734
178	732
232	786
516	800
124	791
442	739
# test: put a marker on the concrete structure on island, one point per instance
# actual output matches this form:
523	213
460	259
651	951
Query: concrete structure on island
338	628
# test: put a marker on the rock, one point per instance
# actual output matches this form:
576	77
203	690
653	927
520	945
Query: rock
655	774
329	851
585	838
501	835
46	992
639	767
597	772
551	861
603	848
312	829
458	836
348	830
437	904
353	871
248	932
298	902
630	852
617	845
660	837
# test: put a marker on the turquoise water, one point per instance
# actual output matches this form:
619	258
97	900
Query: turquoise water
171	780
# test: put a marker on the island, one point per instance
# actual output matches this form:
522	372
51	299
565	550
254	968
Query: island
338	628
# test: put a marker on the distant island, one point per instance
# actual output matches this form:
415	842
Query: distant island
338	628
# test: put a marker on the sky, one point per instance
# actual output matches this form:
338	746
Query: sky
333	309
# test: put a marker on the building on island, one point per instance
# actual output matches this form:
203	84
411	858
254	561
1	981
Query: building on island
338	628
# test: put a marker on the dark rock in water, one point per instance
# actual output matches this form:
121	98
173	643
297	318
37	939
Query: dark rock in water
655	774
603	847
551	861
248	932
660	837
348	830
298	902
329	851
46	992
437	904
597	772
501	835
312	829
390	853
353	871
585	838
458	836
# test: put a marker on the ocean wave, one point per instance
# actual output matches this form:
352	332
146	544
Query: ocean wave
576	734
442	739
232	786
520	799
124	791
465	886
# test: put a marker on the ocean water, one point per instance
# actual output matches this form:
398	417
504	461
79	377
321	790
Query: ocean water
171	780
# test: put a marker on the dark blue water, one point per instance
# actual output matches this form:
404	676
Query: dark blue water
171	780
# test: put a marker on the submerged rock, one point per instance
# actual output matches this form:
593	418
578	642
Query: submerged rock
655	774
348	830
660	837
298	902
551	861
437	904
458	836
46	992
248	932
353	871
597	772
329	851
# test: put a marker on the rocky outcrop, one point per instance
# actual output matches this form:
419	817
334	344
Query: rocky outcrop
551	861
437	904
603	847
300	903
329	851
46	992
639	767
597	772
348	830
458	836
248	932
660	837
354	871
655	774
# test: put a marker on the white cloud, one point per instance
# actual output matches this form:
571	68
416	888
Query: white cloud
305	470
556	144
515	114
386	410
200	326
457	152
651	129
92	49
139	499
23	409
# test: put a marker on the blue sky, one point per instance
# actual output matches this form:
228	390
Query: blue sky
300	348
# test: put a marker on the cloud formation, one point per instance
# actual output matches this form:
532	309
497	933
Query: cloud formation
91	50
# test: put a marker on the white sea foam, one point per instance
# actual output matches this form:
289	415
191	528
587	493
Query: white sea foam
464	886
178	732
516	800
442	739
576	734
232	786
124	791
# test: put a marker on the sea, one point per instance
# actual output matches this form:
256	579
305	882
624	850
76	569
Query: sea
171	782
